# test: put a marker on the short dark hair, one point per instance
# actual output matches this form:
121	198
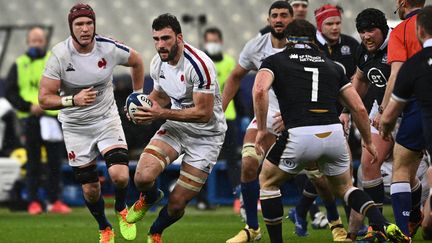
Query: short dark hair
281	4
416	3
424	19
301	30
167	20
213	30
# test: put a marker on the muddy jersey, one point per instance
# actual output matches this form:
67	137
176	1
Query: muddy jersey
78	71
252	56
194	73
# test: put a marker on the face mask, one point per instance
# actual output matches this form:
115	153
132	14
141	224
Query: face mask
35	52
213	48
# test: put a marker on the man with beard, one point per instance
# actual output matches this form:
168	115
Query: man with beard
300	9
195	125
81	68
255	51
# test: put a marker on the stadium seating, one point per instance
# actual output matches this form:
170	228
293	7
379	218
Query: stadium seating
130	20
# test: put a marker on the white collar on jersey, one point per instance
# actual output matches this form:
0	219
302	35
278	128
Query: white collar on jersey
321	38
385	43
427	43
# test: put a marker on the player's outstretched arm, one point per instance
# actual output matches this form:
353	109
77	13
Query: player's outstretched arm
353	102
232	85
137	70
395	67
262	84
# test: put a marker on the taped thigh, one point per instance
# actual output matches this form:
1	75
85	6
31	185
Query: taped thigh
249	151
190	181
158	154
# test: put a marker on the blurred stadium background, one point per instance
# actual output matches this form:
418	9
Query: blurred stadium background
130	21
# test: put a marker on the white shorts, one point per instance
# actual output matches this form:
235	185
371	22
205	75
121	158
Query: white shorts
298	147
85	142
199	151
270	121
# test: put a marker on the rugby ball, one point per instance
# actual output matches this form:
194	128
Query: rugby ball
135	100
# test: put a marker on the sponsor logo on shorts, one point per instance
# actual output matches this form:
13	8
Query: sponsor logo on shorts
71	156
289	163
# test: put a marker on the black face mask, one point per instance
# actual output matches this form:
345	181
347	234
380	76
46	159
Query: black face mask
36	53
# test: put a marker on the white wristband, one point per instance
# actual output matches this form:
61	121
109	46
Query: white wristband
139	90
67	101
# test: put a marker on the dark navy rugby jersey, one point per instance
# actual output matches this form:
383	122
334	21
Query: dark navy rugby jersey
307	85
343	52
375	68
415	78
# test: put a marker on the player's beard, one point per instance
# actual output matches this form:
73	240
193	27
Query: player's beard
277	35
171	54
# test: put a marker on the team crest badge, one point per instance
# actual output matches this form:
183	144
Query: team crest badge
345	50
70	68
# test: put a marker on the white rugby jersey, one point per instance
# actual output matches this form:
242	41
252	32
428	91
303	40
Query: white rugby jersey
78	71
253	54
194	73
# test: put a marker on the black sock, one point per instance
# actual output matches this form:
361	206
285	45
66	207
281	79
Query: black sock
362	203
120	198
97	209
375	190
416	193
151	195
272	210
307	200
163	221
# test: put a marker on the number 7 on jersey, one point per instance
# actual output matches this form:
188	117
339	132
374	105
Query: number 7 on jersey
315	73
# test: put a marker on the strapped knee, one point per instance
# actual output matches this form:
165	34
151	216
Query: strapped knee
249	151
158	154
116	156
86	175
190	181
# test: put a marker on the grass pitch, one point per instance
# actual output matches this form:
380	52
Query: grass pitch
196	226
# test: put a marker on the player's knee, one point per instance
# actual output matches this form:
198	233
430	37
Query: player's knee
116	156
91	192
120	180
144	180
248	150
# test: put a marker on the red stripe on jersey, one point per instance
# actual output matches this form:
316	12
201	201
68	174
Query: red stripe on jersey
202	64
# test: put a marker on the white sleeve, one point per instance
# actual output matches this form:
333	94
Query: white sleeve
52	68
245	58
203	77
155	72
122	53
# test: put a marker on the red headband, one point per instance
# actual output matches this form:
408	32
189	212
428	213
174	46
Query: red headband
325	12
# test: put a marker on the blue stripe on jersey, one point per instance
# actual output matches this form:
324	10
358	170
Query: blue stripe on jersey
197	70
100	39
